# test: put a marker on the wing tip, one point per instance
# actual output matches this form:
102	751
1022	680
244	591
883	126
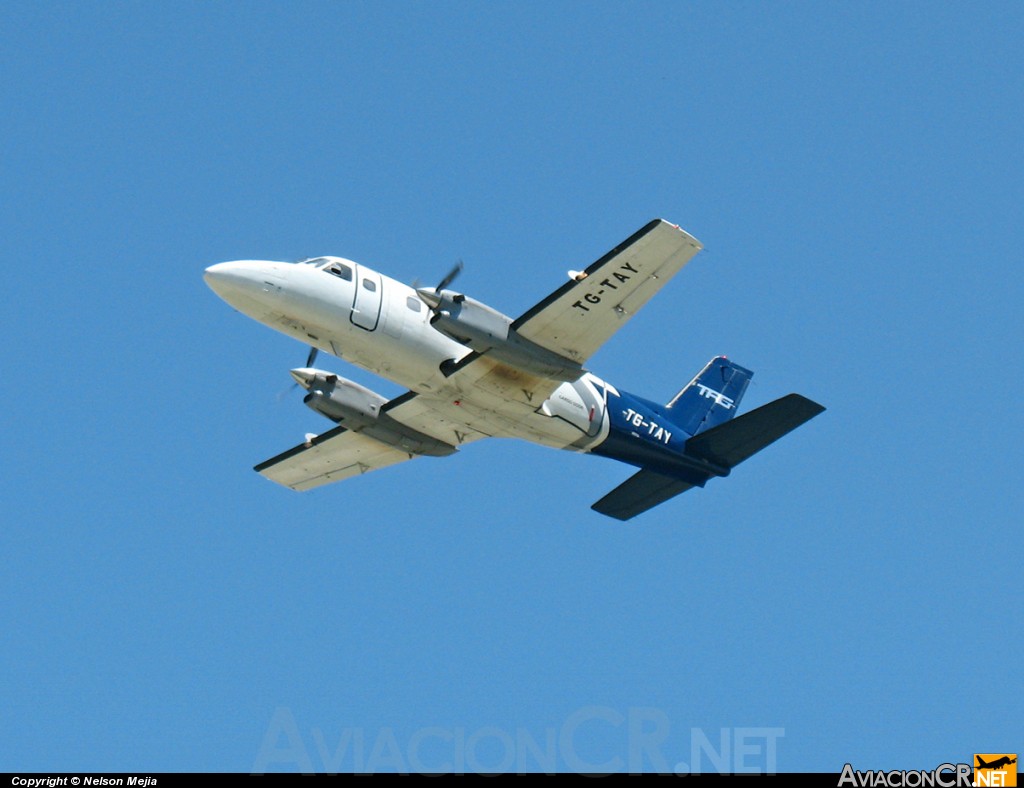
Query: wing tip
693	240
612	513
813	408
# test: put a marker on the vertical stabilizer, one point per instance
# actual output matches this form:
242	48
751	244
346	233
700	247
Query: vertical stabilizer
712	397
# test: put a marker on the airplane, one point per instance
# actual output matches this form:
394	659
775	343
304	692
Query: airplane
997	764
473	372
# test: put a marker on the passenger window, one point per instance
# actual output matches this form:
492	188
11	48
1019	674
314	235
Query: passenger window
339	270
413	303
370	285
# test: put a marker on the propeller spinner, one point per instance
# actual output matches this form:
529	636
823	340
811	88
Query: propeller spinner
432	298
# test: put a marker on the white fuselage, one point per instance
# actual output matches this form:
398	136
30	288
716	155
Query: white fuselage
381	325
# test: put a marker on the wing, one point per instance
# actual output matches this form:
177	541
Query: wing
582	315
331	457
343	453
443	419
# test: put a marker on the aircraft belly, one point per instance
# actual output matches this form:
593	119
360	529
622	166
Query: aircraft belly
512	422
531	426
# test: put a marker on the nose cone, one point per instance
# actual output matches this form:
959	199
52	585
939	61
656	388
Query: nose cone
238	274
216	273
250	286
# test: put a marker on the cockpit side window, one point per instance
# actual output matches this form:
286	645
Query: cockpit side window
340	270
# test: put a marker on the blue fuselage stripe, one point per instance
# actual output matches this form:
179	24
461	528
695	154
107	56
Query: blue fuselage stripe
642	434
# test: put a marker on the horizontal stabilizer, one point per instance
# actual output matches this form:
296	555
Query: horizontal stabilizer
643	491
731	443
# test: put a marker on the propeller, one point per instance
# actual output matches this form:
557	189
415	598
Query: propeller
313	350
432	298
449	277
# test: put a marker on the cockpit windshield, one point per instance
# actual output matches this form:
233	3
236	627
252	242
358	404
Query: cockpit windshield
331	265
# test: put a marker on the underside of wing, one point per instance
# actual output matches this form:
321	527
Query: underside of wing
583	314
342	453
485	398
443	419
331	457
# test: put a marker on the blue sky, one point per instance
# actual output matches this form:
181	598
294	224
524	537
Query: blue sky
855	174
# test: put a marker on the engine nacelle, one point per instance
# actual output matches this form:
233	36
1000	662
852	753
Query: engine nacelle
485	330
357	408
340	399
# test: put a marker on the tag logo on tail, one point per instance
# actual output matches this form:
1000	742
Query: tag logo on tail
717	396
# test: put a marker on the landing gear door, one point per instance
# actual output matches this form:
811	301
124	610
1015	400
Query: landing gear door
366	307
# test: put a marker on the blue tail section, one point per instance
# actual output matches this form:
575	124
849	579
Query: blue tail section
654	437
711	398
692	439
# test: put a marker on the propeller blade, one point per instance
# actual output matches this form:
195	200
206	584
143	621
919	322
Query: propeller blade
282	394
450	277
312	356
